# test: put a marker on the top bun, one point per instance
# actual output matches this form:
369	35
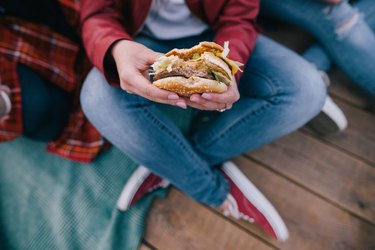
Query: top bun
197	49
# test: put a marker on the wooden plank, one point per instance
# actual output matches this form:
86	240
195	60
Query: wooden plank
313	223
178	222
327	171
290	36
359	137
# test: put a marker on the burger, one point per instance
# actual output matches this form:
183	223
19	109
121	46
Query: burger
202	68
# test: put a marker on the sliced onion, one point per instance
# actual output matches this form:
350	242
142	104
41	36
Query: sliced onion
226	50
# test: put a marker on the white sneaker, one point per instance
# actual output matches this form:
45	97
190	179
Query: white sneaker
140	183
330	120
5	104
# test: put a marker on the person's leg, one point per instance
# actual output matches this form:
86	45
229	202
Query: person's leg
367	8
45	107
138	128
280	92
317	55
340	29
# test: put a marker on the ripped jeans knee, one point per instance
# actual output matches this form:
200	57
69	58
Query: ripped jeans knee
343	17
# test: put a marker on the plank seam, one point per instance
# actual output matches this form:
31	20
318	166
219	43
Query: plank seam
149	245
242	228
339	148
295	182
350	103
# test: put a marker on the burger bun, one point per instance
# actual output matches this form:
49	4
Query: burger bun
188	86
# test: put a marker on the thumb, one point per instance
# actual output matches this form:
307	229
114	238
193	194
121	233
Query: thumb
153	55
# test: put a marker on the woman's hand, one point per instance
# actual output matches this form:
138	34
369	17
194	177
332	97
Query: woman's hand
215	101
133	61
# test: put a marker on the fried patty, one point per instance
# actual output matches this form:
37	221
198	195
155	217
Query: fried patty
186	69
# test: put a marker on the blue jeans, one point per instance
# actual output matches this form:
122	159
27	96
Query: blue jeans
280	92
341	30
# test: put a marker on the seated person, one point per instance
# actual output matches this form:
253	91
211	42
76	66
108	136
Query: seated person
346	37
269	100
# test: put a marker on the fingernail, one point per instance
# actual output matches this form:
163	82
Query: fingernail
181	105
206	95
194	99
173	97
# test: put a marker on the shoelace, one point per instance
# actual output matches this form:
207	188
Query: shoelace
232	210
162	184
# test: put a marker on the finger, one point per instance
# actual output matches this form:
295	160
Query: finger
152	56
207	105
136	82
142	86
180	102
173	99
151	59
230	96
196	105
202	107
156	55
146	75
196	98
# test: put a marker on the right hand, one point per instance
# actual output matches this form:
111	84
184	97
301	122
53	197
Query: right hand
216	101
133	61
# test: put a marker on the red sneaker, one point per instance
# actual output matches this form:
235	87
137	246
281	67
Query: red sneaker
141	182
248	203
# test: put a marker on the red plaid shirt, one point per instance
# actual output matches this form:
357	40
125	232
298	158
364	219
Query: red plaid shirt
60	61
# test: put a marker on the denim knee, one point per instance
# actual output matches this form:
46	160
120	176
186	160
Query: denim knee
308	92
343	17
320	18
99	99
89	91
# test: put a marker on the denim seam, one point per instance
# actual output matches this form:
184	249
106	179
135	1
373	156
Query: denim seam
155	119
275	89
226	190
269	102
164	128
238	123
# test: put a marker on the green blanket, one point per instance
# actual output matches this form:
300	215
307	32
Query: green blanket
51	203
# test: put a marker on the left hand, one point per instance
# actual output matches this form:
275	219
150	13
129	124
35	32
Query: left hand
215	101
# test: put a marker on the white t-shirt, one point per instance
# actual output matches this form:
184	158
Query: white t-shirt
172	19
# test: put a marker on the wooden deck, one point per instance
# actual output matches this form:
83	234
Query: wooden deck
323	187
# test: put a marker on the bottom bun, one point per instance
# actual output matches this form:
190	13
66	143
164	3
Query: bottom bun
188	86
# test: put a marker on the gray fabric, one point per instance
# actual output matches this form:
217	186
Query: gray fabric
165	19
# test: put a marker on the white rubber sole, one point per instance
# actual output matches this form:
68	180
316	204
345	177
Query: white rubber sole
257	199
330	120
8	104
335	113
131	186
